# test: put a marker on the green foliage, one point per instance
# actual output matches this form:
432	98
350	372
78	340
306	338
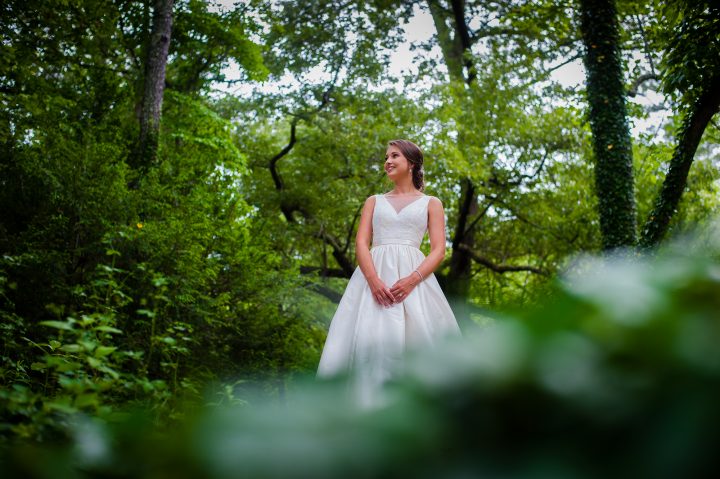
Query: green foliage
331	33
206	42
114	295
617	374
692	35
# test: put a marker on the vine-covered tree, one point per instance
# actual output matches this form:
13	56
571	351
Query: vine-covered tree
691	34
612	146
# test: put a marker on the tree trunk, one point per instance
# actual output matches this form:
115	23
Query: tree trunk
462	33
693	126
608	121
458	278
449	45
154	85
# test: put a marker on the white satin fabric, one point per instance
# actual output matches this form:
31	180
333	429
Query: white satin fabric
369	340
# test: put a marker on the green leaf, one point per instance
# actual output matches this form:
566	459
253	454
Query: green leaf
87	320
95	363
58	325
85	400
68	366
88	345
110	371
71	348
107	329
61	406
102	351
38	366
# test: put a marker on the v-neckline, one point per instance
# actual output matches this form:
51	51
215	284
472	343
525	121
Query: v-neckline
397	213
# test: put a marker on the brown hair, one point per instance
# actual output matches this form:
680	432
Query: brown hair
414	155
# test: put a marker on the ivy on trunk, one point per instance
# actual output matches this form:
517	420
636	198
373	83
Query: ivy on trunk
612	146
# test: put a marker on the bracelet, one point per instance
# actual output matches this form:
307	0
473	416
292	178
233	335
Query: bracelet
418	272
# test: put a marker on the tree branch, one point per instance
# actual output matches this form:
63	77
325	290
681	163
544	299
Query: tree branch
696	120
458	7
279	185
324	272
633	90
499	268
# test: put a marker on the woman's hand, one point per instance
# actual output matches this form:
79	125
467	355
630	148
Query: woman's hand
380	292
402	288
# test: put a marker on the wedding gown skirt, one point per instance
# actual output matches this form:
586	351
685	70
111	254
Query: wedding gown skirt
369	340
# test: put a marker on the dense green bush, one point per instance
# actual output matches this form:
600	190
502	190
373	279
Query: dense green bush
118	289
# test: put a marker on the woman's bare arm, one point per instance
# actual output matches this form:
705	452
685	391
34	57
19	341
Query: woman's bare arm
363	238
379	290
436	233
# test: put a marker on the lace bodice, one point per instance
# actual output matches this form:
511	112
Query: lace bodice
406	226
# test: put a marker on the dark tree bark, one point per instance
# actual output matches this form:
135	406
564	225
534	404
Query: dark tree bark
145	152
449	44
457	282
463	34
608	121
693	126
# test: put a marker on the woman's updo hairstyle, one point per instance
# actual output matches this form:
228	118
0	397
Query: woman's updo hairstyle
414	155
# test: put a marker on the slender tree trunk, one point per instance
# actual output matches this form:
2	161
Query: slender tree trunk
462	33
154	85
693	126
608	121
449	45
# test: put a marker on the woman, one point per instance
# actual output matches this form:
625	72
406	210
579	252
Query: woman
392	301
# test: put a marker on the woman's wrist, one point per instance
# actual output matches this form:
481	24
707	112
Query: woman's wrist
419	276
372	277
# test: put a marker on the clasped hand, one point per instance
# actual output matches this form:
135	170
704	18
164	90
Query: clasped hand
395	294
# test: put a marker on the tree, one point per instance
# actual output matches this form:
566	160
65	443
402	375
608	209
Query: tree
608	120
504	27
154	85
692	36
689	37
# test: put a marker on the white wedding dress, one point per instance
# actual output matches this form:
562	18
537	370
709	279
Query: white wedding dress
368	340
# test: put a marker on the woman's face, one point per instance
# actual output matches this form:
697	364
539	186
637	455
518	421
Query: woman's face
396	165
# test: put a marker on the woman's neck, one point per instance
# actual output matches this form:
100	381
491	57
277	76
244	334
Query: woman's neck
412	191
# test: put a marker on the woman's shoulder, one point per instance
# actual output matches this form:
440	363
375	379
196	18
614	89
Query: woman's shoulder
434	203
370	200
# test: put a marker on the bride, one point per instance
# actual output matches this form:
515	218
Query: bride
393	301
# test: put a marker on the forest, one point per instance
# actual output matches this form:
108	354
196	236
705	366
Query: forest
181	183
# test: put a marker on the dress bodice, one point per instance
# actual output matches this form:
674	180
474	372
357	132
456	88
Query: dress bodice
407	226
